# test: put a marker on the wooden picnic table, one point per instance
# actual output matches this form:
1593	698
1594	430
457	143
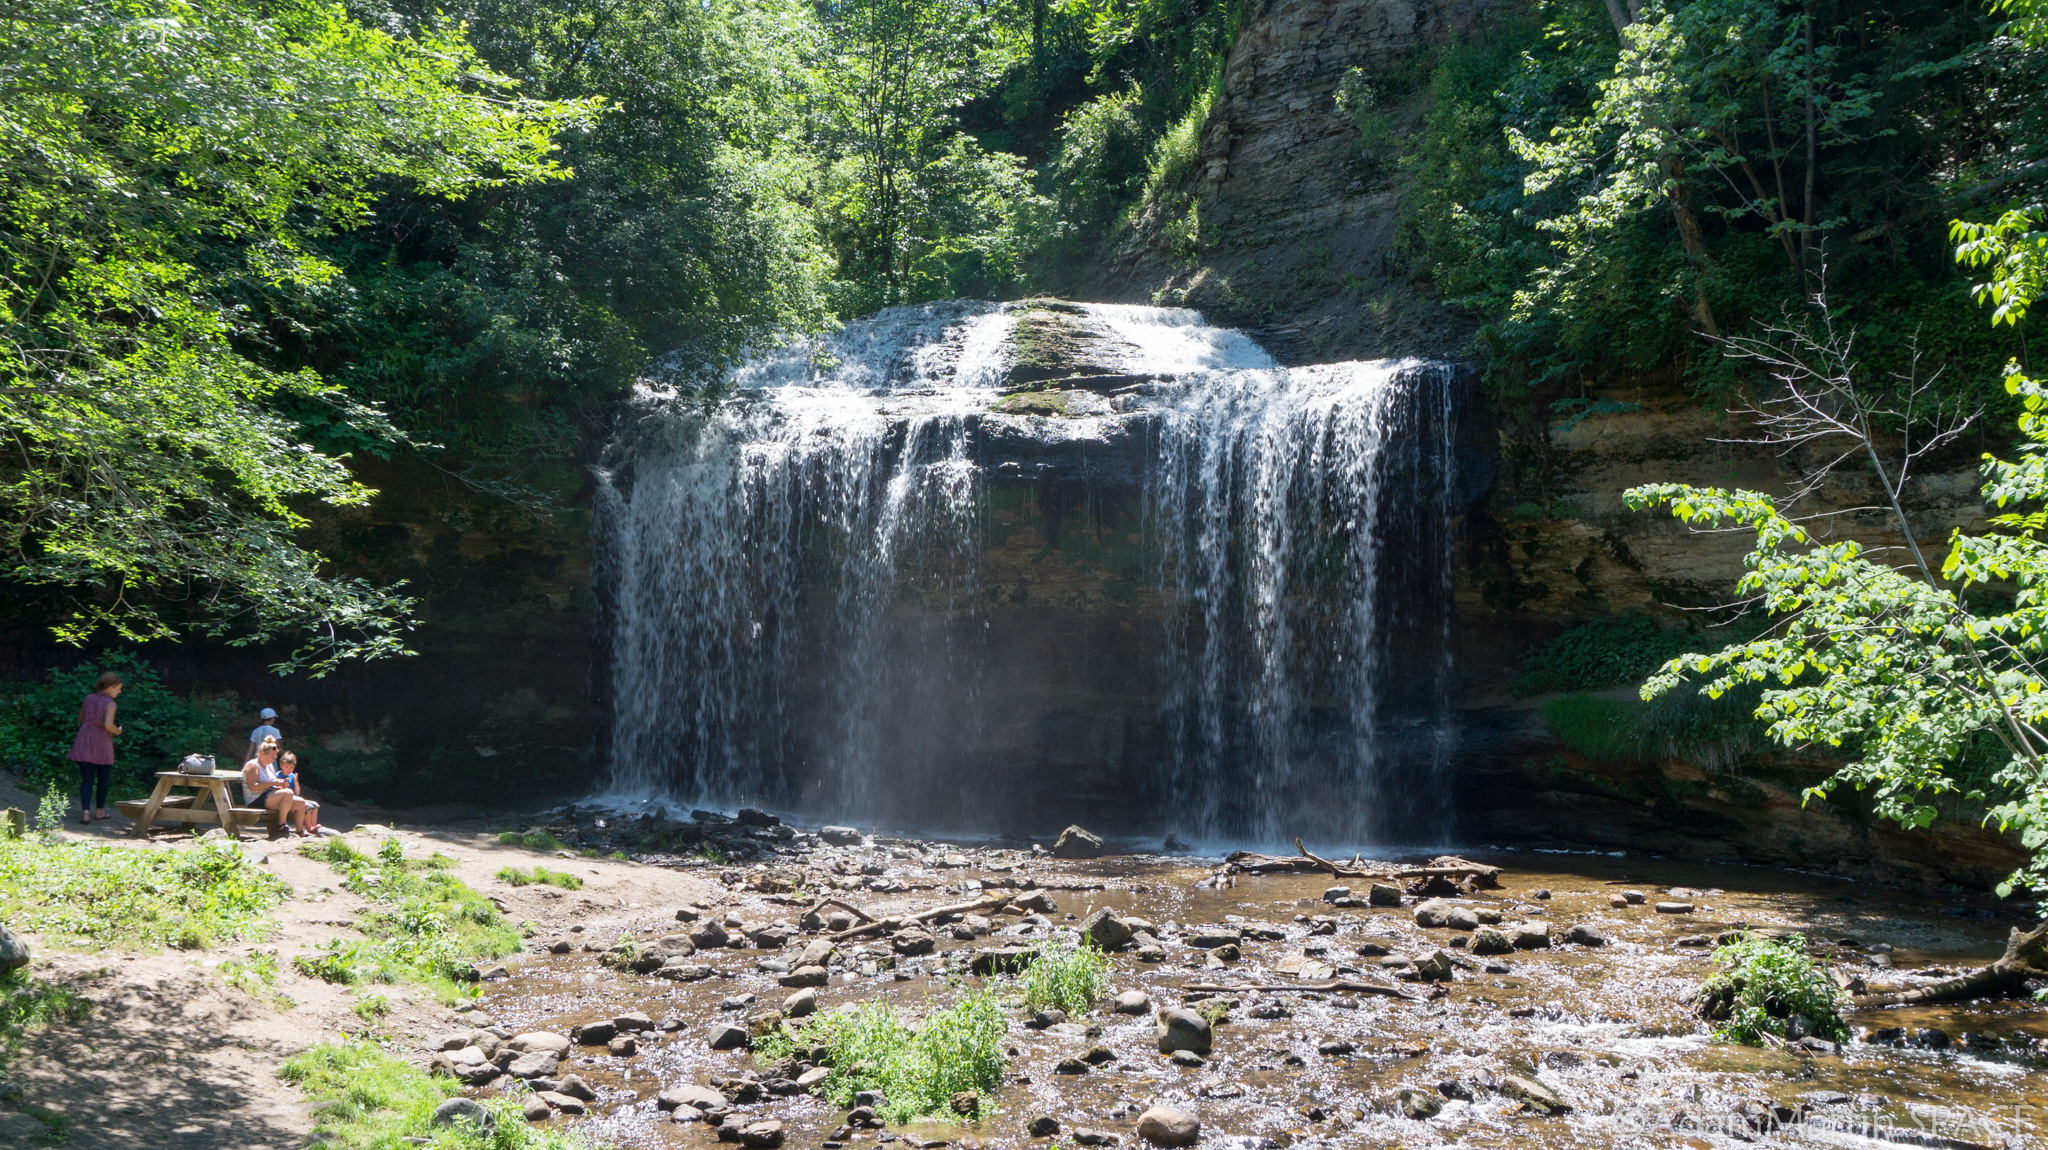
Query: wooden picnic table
211	804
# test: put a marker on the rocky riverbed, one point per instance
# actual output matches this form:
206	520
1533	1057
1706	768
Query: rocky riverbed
1549	1008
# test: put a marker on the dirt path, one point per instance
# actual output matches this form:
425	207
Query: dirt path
174	1058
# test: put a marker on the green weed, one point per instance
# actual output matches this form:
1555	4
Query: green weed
710	853
29	1004
1066	975
424	924
1762	984
1603	653
918	1068
78	894
531	840
1678	724
371	1007
50	813
367	1099
539	876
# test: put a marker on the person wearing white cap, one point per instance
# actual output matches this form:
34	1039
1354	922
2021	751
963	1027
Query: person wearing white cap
266	729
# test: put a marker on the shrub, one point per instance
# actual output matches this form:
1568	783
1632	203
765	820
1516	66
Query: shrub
918	1069
540	876
1603	653
1066	975
367	1098
38	720
1763	984
99	897
1677	724
531	840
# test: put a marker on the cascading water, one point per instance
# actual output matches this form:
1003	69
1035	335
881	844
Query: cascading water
856	586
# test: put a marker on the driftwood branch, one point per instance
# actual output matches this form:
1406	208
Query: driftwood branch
993	900
857	912
1339	986
1446	866
2025	957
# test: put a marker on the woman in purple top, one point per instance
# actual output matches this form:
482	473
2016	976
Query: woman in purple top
93	749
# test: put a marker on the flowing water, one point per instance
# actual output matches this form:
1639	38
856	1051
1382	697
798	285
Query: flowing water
1607	1028
803	615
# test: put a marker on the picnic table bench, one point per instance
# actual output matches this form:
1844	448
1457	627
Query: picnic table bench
211	803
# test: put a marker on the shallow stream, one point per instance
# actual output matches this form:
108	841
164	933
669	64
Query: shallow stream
1606	1027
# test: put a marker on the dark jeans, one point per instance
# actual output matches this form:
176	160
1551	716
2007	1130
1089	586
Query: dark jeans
88	774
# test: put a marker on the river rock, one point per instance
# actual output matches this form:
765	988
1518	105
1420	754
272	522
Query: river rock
769	937
561	1101
633	1021
14	953
726	1036
1077	843
1383	895
912	941
1674	908
1332	894
1529	936
1002	960
1043	1126
818	953
683	970
1491	941
755	817
699	1097
596	1033
1183	1029
708	933
1630	898
1419	1105
538	1064
1433	913
801	1004
840	836
1462	918
1165	1126
1533	1094
624	1046
813	1077
965	1103
1133	1002
763	1135
1584	935
574	1086
805	976
1106	929
1211	939
454	1110
1435	968
1037	902
535	1108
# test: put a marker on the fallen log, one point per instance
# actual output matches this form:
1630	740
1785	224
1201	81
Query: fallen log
1335	870
989	901
2025	957
1337	986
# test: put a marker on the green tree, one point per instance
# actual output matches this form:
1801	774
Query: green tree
160	163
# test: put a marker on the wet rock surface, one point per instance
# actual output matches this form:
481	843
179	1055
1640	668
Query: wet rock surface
1260	1009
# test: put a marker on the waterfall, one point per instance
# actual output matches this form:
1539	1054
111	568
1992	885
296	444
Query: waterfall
820	598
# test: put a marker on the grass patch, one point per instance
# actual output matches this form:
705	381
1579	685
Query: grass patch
256	976
1762	984
539	876
29	1004
1067	975
367	1099
371	1007
918	1067
424	924
121	898
535	840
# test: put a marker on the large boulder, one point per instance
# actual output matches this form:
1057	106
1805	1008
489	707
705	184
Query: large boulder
1077	843
13	951
708	933
1383	895
1183	1029
840	836
1165	1126
1106	929
597	1033
1491	941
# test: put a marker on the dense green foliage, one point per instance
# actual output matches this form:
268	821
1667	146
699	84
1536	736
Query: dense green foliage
1601	196
74	894
918	1068
367	1098
160	727
1707	732
163	166
1763	984
424	924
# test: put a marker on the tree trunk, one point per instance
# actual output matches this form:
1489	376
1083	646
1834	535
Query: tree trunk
2025	957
